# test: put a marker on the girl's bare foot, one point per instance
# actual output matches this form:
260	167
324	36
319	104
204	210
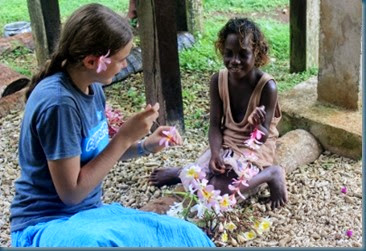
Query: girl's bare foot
277	187
165	176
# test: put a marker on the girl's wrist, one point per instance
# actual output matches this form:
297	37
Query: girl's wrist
142	150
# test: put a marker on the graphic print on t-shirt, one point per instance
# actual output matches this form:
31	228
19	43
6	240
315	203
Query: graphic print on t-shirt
96	141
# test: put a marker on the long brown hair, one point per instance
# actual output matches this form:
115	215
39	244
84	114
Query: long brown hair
91	30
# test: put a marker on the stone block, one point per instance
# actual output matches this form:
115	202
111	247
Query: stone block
340	53
338	130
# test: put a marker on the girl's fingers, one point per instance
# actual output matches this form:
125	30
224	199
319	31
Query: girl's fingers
148	107
156	107
178	138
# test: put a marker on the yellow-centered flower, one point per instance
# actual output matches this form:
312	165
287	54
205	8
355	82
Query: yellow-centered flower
250	235
224	237
230	226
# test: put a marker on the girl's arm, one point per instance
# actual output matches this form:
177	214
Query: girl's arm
73	183
269	101
215	133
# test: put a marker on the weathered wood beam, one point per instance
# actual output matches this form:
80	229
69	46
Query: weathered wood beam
46	26
181	16
297	35
304	34
158	34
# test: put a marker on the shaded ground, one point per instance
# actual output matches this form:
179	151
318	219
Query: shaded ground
281	14
317	215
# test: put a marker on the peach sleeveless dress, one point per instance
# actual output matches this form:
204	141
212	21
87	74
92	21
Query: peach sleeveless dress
235	134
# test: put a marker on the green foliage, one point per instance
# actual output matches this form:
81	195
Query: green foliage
67	6
12	11
19	60
18	52
278	37
135	96
17	10
202	56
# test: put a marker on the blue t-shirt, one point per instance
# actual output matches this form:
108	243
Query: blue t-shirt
59	122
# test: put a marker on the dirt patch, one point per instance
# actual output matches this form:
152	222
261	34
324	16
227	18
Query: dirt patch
281	14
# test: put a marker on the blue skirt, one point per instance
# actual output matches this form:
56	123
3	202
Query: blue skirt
112	226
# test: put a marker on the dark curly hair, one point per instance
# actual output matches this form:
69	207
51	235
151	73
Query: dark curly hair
244	27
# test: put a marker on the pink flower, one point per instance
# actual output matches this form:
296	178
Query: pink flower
208	195
256	134
349	233
114	118
102	62
344	190
169	136
253	141
191	175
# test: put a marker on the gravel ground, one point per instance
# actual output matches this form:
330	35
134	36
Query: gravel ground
317	215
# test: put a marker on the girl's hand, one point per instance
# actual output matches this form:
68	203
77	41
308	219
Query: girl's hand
152	143
258	116
216	164
139	125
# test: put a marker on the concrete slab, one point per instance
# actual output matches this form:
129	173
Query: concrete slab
337	129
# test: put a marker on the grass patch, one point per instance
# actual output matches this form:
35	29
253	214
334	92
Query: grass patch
17	10
21	60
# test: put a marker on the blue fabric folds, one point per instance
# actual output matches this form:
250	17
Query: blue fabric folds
112	226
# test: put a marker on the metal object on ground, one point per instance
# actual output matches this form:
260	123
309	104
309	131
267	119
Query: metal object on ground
16	28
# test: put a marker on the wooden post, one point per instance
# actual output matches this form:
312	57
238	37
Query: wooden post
46	25
194	10
297	35
158	34
304	34
181	16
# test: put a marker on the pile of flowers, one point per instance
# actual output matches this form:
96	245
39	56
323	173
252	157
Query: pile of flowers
205	206
213	211
115	120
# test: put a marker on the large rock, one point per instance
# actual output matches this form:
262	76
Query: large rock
296	148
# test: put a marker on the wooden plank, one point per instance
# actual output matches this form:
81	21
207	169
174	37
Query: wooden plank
181	16
46	26
158	34
298	35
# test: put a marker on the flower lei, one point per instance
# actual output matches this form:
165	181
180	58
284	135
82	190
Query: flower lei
210	207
